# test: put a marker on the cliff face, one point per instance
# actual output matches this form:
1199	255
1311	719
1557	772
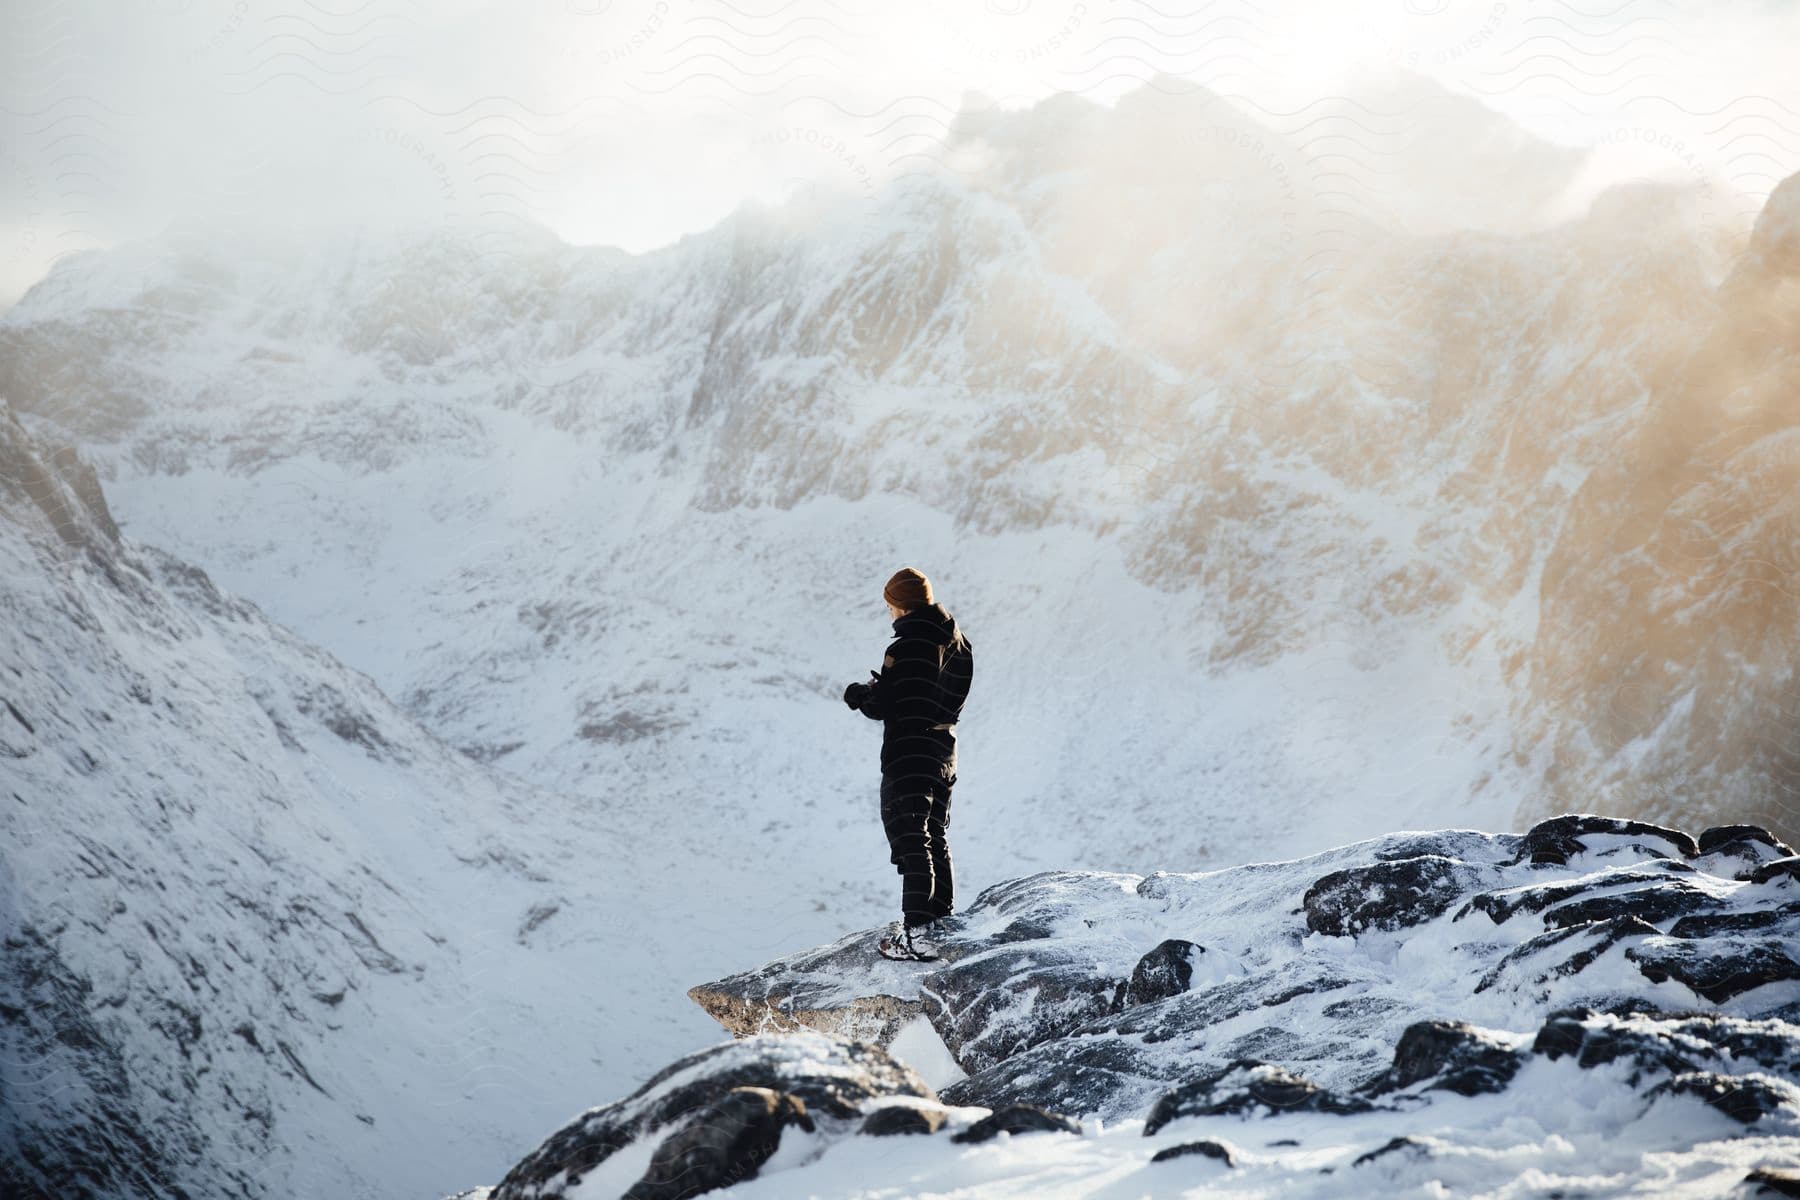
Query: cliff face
1670	600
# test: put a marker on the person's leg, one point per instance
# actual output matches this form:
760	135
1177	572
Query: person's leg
905	809
937	827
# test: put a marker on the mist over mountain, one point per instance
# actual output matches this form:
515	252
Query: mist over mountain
1253	468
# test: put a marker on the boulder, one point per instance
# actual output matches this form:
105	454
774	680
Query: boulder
1657	1043
723	1142
1562	838
1784	871
1451	1055
1718	968
892	1119
1016	1119
1205	1147
1163	972
826	1078
1390	895
1774	1181
1502	904
1745	1098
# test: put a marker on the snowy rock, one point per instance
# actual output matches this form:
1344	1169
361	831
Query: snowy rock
1747	1098
1560	839
808	991
722	1143
1165	971
1668	1043
1452	1055
1248	1086
1389	895
1205	1147
900	1118
1381	968
750	1090
1016	1119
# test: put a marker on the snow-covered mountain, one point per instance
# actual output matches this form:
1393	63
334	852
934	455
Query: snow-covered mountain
1247	478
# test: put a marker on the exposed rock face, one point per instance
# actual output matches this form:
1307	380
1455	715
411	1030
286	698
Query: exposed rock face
1091	994
719	1111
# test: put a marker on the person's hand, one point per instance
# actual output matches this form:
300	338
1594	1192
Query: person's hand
854	693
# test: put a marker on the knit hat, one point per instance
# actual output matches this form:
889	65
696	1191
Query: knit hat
908	589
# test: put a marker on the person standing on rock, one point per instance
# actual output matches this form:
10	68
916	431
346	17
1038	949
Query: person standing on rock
918	696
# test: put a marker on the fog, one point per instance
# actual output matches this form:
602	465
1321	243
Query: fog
633	122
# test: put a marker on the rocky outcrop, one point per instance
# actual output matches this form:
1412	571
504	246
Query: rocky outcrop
717	1115
1277	985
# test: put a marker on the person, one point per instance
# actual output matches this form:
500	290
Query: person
918	696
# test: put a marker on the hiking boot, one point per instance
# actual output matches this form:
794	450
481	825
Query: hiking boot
908	943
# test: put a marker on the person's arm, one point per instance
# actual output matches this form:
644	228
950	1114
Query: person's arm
907	683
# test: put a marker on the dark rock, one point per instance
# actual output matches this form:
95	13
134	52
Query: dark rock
891	1119
1668	1043
1389	895
1784	869
1413	1147
1163	972
722	1143
830	1077
1654	903
1456	1056
1562	952
1718	968
1502	904
1722	838
1745	1098
1017	1118
1777	1181
1206	1146
1576	1035
1246	1085
1710	925
1561	838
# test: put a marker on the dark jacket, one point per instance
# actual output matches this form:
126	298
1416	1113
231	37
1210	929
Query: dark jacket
918	735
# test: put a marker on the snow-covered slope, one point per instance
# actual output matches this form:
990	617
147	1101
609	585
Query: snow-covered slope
263	934
1595	1007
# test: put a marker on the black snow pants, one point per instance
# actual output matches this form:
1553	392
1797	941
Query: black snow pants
915	812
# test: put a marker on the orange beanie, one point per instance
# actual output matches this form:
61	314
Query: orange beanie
908	589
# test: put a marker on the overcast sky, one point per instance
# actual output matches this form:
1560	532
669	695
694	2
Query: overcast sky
631	122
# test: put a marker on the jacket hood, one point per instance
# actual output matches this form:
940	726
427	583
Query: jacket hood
929	621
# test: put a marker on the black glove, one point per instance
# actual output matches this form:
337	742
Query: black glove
854	693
